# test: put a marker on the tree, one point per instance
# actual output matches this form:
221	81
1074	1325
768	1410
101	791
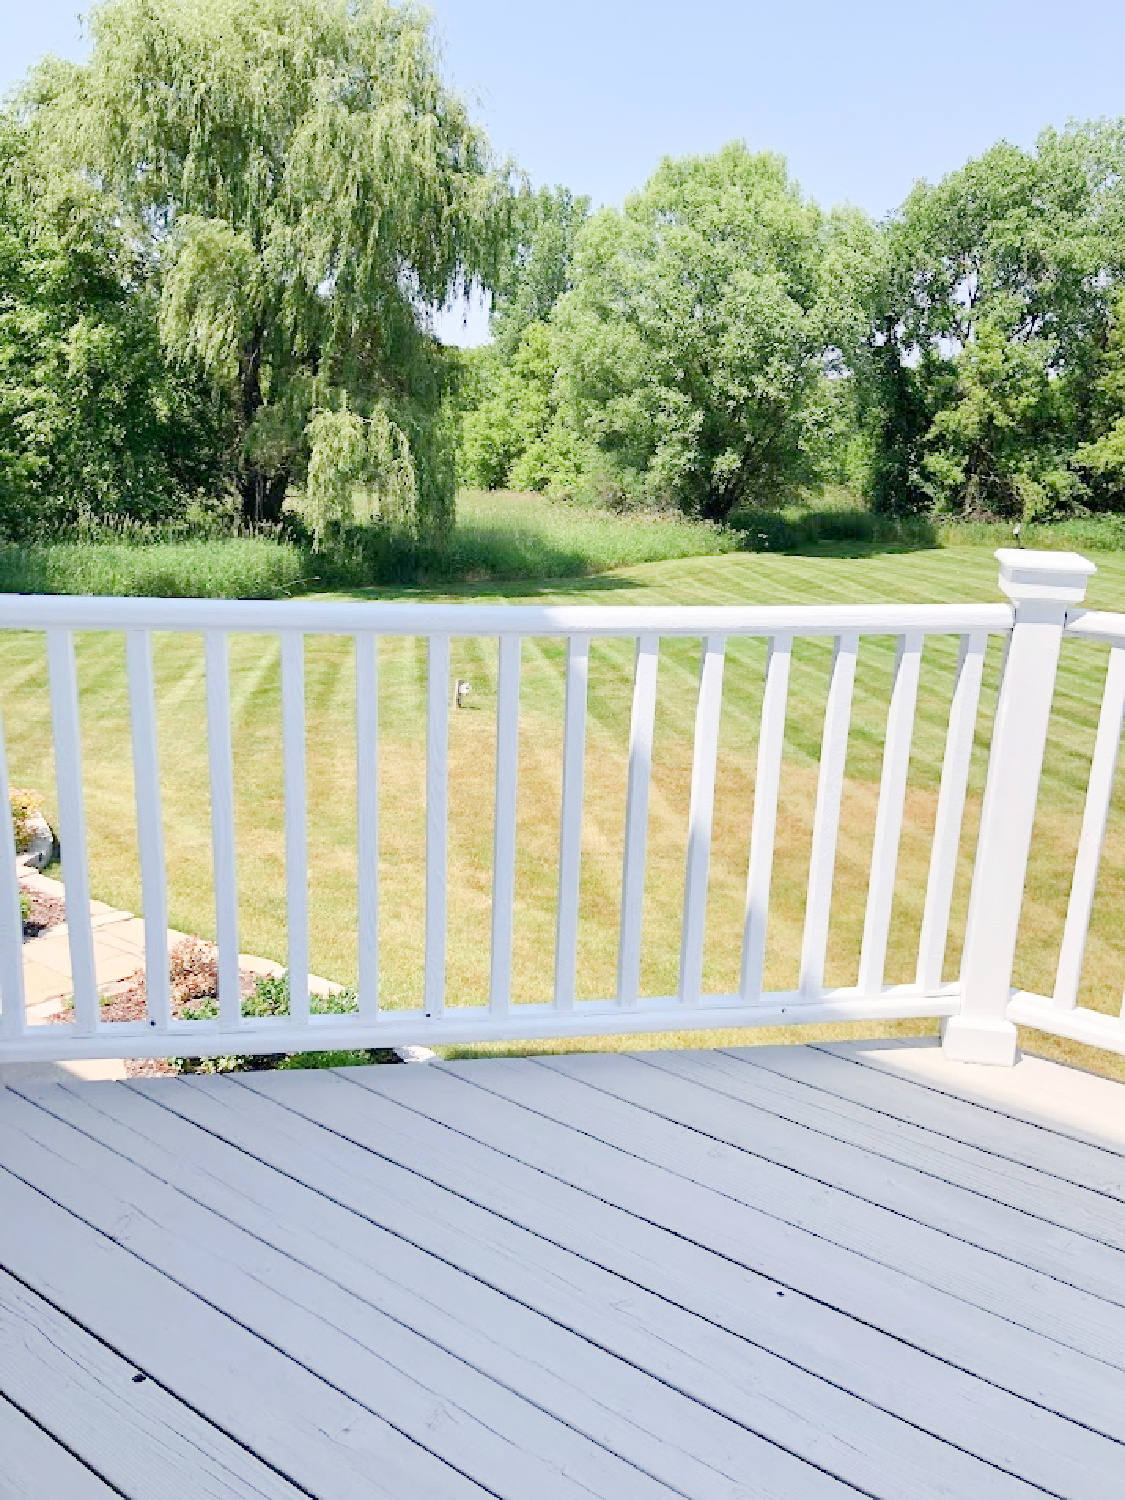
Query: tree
695	334
518	435
989	317
94	425
309	189
539	266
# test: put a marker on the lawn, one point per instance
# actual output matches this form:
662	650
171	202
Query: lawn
966	573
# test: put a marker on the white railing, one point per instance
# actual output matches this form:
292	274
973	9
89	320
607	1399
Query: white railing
1060	1012
978	1009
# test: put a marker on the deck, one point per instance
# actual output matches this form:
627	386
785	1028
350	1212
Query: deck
805	1271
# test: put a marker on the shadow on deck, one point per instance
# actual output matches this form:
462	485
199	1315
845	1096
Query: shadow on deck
800	1271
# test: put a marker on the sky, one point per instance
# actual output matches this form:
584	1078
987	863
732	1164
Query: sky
862	99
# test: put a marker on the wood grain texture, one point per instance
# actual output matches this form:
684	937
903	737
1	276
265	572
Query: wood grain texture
127	1428
33	1466
600	1275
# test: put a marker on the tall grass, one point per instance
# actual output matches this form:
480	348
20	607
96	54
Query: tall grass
498	537
231	568
504	534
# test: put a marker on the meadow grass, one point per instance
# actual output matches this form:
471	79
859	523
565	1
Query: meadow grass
508	534
964	573
226	568
499	536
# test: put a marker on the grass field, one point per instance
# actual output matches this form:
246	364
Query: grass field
964	574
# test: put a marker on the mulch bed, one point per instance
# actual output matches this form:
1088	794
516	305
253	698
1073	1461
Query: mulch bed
193	970
45	912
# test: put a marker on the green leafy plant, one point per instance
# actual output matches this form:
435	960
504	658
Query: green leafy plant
270	997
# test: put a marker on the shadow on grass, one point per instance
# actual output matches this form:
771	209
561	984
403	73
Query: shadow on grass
832	532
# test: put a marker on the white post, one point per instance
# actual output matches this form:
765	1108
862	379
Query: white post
1040	585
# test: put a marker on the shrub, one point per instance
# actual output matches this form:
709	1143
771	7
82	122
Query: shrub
25	807
270	997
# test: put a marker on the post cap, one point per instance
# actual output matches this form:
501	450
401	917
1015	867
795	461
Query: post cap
1059	577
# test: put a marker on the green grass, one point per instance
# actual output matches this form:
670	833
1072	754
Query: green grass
965	573
504	535
499	536
233	567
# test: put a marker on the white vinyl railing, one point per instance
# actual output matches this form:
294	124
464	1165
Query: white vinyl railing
978	1009
1060	1012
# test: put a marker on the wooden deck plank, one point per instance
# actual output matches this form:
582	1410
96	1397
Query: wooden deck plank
817	1106
1083	1115
610	1401
926	1392
33	1466
129	1430
486	1431
684	1094
716	1195
591	1276
691	1354
287	1417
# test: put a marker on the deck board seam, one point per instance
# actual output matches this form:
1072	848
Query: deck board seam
992	1109
59	1442
843	1140
945	1135
765	1349
255	1334
630	1281
391	1317
91	1333
797	1227
788	1287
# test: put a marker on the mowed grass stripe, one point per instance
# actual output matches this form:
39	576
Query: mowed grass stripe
962	574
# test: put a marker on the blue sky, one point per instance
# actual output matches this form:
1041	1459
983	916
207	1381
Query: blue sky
861	99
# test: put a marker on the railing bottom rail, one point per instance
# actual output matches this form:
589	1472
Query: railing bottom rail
1078	1024
463	1024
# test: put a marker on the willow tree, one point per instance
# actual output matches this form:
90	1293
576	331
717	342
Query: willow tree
310	188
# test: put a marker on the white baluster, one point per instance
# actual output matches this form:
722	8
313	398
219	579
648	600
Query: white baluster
504	842
72	828
570	830
636	819
826	824
700	817
767	785
950	811
888	817
296	821
1090	841
150	829
437	822
367	818
222	825
13	1016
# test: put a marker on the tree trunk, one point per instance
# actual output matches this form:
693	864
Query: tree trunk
262	493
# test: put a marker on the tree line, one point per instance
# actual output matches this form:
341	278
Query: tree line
722	343
223	238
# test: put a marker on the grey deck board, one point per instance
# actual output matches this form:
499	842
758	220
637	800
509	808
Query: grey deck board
32	1464
719	1198
764	1273
800	1142
78	1386
815	1100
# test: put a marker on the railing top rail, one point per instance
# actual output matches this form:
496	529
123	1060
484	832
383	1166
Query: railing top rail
317	617
1097	625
